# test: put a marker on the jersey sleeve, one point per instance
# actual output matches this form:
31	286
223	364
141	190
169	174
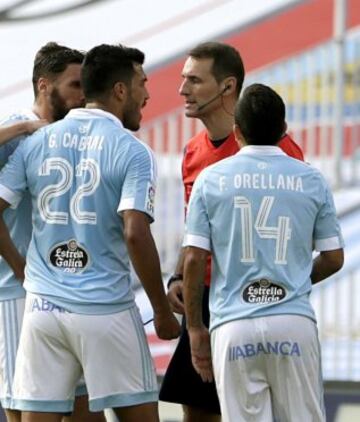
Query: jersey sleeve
138	190
197	228
327	232
13	178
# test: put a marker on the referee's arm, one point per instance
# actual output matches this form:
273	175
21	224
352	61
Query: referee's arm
194	274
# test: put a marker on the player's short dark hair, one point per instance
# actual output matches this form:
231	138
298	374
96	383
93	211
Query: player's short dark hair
104	65
226	61
51	60
260	115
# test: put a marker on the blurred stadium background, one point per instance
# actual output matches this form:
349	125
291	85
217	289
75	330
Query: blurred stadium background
308	50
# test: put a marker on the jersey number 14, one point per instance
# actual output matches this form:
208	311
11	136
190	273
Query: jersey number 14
281	233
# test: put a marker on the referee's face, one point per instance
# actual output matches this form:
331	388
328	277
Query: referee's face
199	87
136	99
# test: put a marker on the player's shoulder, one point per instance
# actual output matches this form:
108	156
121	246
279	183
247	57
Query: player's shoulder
224	162
131	151
213	170
311	177
298	165
289	164
315	173
9	147
17	116
118	136
138	146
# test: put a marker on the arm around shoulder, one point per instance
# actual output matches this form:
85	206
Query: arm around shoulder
25	127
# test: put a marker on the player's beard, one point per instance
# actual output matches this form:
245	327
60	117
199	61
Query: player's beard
131	115
58	105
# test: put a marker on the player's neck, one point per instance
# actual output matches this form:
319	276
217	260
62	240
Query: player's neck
219	125
109	107
42	111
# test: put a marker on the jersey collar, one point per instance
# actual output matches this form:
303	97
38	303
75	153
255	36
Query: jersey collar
93	113
261	150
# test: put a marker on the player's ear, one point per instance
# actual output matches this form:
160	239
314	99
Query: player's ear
43	85
238	135
120	90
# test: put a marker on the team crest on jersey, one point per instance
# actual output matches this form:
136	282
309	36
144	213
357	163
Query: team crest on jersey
150	199
263	291
69	257
262	165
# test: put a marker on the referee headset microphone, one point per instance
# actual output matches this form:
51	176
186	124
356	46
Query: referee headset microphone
201	106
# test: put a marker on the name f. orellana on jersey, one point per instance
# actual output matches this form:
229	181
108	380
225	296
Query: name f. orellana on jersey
269	208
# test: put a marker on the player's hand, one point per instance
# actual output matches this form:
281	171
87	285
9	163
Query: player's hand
175	297
33	125
166	325
201	352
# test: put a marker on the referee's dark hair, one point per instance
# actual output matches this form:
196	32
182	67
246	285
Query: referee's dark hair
51	60
226	61
104	65
260	115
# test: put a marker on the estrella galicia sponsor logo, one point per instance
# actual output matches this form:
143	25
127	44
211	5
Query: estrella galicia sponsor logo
282	348
263	291
69	257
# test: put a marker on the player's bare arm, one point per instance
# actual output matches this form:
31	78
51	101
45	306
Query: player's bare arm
145	259
326	264
194	273
26	127
7	248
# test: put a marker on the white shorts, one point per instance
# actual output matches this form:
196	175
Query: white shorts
268	369
11	316
57	346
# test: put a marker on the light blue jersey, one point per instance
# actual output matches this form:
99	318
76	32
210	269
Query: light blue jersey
82	172
259	212
18	221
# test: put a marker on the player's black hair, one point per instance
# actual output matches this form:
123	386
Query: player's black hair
226	61
51	60
260	115
104	65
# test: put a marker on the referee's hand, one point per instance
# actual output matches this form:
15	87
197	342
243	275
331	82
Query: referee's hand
175	297
201	352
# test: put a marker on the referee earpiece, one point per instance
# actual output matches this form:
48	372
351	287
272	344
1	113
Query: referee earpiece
226	88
